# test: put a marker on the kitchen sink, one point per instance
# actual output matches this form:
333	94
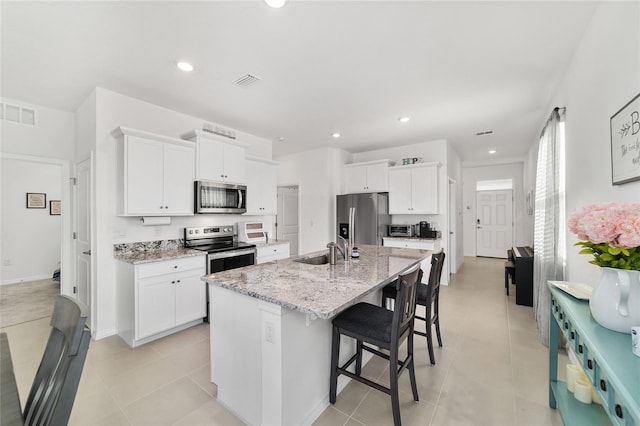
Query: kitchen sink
316	260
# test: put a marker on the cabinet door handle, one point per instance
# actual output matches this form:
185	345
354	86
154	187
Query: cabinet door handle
573	335
175	266
173	282
178	281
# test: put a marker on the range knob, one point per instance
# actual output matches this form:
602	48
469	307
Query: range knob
191	231
227	230
197	231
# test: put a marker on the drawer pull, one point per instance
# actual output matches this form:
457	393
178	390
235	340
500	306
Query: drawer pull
556	308
573	335
603	385
566	325
173	282
580	348
561	316
175	267
590	364
553	302
618	410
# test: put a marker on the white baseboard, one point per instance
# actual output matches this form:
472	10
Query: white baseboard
101	334
26	279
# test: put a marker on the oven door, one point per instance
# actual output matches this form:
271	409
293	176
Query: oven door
223	261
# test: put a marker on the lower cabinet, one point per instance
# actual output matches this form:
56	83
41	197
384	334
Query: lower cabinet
159	298
271	252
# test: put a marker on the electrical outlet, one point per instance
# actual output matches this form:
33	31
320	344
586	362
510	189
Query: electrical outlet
269	332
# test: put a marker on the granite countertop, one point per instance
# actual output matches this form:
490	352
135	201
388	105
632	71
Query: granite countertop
418	239
140	257
321	291
272	243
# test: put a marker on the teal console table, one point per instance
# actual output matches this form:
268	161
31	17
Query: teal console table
606	358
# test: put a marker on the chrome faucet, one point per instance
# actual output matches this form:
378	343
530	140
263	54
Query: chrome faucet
332	252
345	248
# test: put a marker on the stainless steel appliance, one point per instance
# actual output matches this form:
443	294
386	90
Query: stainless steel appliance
223	253
217	197
363	218
401	230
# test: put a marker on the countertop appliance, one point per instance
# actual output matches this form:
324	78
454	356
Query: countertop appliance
217	197
223	253
363	218
252	232
424	230
401	230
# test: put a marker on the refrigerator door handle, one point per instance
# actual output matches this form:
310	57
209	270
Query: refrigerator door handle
352	219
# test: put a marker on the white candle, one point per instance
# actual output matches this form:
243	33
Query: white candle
582	391
574	372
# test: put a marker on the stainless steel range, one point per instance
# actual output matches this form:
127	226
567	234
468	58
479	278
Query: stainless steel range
223	252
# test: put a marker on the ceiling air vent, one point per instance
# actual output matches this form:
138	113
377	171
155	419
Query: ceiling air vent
246	80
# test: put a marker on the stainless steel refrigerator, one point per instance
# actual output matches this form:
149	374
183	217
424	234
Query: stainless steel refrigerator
364	217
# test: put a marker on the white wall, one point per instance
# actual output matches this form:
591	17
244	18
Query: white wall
111	111
52	137
603	76
31	242
317	173
471	175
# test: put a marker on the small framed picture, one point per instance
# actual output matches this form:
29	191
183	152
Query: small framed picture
55	208
625	143
36	200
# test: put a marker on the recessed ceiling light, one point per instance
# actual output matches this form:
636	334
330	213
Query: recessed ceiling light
492	151
336	135
404	119
185	66
276	4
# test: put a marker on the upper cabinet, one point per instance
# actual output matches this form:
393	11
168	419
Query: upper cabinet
155	174
414	189
262	186
370	176
218	158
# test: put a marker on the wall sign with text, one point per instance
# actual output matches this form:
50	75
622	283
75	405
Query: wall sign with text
625	143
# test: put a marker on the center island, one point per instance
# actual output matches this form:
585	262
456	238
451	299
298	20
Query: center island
270	328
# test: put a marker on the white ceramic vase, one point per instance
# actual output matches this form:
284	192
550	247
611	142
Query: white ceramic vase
615	301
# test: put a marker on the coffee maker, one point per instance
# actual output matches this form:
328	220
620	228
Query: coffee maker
423	230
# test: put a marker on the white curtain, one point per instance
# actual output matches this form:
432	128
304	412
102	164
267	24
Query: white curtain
549	231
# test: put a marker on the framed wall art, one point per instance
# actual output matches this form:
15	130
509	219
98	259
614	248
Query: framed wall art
36	200
55	209
625	143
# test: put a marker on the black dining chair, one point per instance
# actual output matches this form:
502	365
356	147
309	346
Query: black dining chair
372	325
55	385
427	295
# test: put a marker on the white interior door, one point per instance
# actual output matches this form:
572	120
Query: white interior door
287	223
494	223
82	232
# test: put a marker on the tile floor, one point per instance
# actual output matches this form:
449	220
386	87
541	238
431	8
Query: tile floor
492	370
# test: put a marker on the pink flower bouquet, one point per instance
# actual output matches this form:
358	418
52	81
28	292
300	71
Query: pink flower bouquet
610	232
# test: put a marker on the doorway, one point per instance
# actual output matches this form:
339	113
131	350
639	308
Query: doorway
494	222
82	234
453	218
287	220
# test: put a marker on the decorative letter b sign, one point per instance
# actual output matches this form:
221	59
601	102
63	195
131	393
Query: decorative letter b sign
625	143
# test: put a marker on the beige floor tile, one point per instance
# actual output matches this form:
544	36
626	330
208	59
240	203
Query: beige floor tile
529	413
351	396
168	404
472	404
202	377
131	385
331	417
110	367
176	342
190	357
375	409
94	408
209	413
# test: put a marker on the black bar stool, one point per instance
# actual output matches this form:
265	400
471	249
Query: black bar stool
427	295
385	329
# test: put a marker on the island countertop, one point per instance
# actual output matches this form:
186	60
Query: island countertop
321	291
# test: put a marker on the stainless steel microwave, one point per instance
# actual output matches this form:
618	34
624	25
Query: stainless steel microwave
217	197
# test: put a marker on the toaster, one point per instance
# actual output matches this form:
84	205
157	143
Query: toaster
401	230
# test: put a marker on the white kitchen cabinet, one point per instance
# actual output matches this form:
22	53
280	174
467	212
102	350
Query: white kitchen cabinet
155	174
160	298
370	176
414	243
218	158
273	251
262	186
414	189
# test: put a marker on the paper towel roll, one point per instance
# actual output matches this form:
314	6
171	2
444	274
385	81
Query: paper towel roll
155	220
